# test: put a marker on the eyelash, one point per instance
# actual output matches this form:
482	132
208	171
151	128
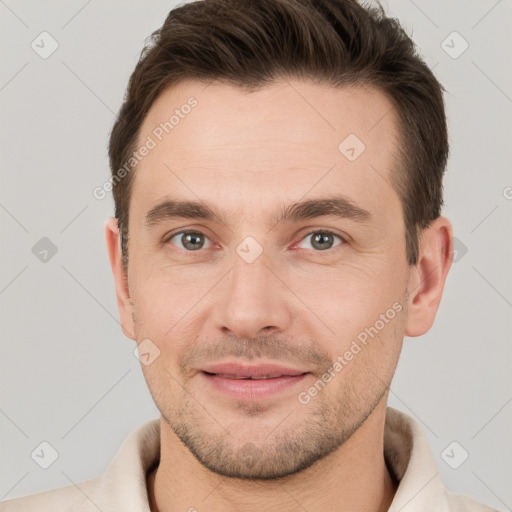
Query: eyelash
168	238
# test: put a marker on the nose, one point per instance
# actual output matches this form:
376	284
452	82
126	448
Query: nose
253	301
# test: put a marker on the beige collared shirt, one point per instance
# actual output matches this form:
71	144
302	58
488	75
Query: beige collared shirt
122	487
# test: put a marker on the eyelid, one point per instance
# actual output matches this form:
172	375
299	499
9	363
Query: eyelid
344	238
168	236
179	231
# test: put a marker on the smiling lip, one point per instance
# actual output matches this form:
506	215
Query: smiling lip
244	382
239	371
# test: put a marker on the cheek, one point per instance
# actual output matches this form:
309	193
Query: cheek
367	347
163	291
349	298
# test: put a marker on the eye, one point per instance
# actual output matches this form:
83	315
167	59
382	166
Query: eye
322	240
190	240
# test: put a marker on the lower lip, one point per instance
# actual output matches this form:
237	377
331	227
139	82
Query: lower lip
253	389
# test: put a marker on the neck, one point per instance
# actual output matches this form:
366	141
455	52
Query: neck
352	478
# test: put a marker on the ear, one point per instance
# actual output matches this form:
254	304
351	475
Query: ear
120	278
428	276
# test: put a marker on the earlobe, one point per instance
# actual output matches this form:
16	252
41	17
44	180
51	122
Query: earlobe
428	276
120	279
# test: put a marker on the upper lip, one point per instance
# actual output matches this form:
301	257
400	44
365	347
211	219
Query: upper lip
245	370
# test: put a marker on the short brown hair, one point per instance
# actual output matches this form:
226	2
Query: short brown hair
333	42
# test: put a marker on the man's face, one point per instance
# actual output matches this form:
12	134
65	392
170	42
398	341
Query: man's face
246	288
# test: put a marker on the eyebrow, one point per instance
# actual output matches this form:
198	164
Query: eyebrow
335	206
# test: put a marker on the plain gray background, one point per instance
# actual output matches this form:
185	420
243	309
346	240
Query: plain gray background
69	376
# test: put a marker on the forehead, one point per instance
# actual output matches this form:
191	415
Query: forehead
290	139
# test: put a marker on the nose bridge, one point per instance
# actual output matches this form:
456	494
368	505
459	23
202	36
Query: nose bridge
250	279
253	300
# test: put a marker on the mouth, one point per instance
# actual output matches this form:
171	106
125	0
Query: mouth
242	382
254	377
236	370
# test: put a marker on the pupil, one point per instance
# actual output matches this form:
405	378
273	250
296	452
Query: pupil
321	239
192	241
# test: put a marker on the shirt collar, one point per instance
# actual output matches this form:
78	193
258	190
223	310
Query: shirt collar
409	457
406	452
